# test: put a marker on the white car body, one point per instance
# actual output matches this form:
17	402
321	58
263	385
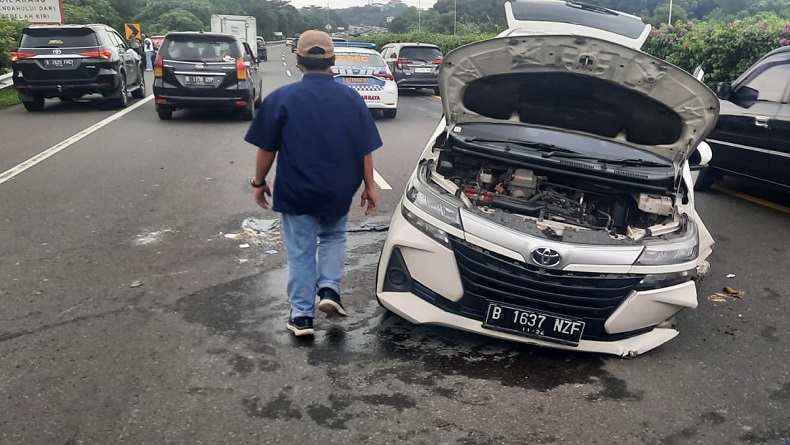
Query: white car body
363	70
554	204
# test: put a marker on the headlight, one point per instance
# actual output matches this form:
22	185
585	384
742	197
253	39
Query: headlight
443	211
681	251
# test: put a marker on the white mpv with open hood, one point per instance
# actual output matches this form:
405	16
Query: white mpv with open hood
554	204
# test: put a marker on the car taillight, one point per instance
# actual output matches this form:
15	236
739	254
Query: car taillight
386	76
20	55
241	70
102	54
158	66
437	61
399	63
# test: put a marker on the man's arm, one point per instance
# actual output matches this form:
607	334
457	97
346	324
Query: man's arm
369	193
263	163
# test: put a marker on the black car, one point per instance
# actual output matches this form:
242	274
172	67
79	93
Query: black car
263	52
70	61
206	70
414	65
752	134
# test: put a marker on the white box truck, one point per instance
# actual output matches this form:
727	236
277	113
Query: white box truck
241	26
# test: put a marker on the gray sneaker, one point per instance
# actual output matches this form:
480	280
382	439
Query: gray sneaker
330	303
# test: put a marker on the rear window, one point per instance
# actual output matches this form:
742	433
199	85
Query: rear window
58	38
200	49
420	54
577	13
358	59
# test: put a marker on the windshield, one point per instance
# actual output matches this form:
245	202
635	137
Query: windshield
588	146
358	59
578	13
200	49
58	37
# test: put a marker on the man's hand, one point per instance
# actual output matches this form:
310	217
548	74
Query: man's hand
369	198
260	195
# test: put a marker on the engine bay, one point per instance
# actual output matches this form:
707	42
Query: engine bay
556	202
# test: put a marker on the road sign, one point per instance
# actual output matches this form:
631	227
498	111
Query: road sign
328	27
132	31
38	12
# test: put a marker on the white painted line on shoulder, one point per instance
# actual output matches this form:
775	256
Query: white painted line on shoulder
285	64
384	185
288	72
14	171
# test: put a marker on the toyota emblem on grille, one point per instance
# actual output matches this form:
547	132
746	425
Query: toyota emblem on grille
56	51
200	66
545	256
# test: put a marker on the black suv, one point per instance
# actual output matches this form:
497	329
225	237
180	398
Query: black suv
70	61
414	65
752	134
206	70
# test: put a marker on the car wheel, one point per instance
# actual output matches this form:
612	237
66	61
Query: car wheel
122	101
139	93
258	100
165	113
248	112
705	179
390	114
37	104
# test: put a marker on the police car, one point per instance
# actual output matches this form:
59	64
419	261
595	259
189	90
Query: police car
360	67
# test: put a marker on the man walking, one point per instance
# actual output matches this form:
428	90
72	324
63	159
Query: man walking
323	136
148	46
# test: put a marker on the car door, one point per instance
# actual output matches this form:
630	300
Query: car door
251	62
777	169
745	132
128	56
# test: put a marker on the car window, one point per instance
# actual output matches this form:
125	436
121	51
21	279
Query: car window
771	83
58	37
423	54
202	49
358	59
116	39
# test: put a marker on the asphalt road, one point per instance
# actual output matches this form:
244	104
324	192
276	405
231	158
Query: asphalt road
132	314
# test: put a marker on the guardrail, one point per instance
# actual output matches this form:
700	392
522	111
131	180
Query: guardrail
6	81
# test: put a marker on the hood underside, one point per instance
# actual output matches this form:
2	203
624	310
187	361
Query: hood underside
579	84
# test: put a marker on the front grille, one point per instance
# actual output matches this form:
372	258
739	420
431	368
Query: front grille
488	276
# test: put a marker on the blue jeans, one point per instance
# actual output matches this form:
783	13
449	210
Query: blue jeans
149	59
316	249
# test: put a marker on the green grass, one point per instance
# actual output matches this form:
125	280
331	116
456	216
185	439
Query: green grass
8	97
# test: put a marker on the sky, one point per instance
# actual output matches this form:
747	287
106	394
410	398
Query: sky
339	4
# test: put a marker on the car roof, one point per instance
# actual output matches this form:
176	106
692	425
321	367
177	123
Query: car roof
198	34
89	26
354	49
427	45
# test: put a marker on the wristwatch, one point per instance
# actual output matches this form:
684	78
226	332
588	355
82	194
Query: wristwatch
257	186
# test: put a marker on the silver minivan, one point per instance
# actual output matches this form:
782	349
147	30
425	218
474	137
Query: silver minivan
554	203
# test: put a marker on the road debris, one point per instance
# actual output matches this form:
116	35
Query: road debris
728	292
256	226
732	275
136	283
244	246
369	227
271	252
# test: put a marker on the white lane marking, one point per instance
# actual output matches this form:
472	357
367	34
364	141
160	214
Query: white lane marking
384	185
285	64
288	72
13	171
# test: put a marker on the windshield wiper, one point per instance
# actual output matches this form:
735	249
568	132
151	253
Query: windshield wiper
634	162
538	146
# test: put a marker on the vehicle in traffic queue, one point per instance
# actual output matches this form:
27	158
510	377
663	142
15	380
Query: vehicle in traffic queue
361	68
71	61
295	41
751	139
263	52
414	65
206	70
554	203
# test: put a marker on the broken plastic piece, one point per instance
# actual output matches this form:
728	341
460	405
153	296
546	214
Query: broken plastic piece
732	275
259	226
244	246
271	252
136	283
733	292
365	227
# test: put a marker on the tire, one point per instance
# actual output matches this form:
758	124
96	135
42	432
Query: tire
165	114
140	93
248	112
122	101
37	104
258	100
390	114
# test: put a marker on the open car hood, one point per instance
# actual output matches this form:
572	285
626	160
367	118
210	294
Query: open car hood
579	84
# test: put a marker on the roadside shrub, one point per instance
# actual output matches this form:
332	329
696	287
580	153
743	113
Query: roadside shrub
10	30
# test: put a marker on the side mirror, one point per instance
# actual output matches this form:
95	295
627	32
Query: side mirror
724	90
744	96
134	45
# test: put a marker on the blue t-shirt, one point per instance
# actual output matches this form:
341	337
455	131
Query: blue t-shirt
321	131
